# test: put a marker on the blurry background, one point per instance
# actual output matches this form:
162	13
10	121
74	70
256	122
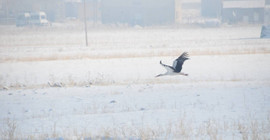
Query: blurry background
142	12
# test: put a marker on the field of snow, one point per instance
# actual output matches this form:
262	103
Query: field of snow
52	86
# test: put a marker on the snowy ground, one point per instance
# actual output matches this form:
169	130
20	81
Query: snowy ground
54	87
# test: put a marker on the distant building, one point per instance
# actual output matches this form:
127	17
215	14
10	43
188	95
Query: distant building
72	8
10	9
211	8
235	11
267	12
190	10
141	12
132	12
75	9
138	12
178	11
246	11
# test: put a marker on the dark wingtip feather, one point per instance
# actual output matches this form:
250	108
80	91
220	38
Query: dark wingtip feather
184	56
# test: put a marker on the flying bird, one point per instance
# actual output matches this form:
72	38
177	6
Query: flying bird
177	66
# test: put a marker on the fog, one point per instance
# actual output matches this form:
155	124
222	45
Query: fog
140	12
72	69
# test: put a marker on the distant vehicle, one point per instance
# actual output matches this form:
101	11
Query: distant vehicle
23	19
26	19
39	18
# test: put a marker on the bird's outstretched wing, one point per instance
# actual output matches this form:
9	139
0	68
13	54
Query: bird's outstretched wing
168	68
178	63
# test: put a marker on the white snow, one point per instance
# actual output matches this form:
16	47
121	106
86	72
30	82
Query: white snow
52	86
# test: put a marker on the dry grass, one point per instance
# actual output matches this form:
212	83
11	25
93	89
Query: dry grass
90	54
9	131
183	129
66	43
99	81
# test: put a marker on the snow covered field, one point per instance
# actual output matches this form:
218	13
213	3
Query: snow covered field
52	86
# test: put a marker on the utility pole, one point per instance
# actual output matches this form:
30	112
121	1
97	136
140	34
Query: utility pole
7	12
85	24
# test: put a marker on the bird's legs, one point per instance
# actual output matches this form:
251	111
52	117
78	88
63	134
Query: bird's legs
184	74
